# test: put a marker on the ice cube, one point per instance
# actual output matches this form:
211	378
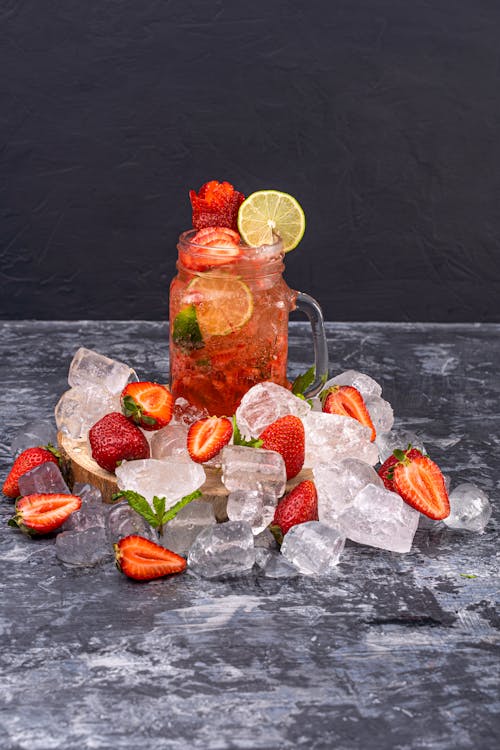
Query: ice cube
253	506
470	509
379	518
313	548
80	408
273	564
330	437
42	432
264	404
337	485
381	413
266	540
170	441
226	548
185	413
84	548
122	520
401	439
89	368
92	512
248	469
169	478
45	478
89	494
180	533
366	385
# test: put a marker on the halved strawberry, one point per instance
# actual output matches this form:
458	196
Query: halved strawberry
26	461
143	560
43	513
207	437
211	247
298	506
287	437
216	204
420	483
386	471
149	405
348	402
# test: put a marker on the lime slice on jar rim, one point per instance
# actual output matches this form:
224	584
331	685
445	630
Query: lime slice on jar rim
268	213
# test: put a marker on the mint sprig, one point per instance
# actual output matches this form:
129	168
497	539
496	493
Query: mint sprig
238	438
186	332
156	516
302	382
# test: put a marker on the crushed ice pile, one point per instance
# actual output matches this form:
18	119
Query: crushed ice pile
353	502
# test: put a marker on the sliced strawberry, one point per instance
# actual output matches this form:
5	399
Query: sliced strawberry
207	437
420	483
298	506
26	461
216	204
287	437
386	471
149	405
211	247
348	402
143	560
41	514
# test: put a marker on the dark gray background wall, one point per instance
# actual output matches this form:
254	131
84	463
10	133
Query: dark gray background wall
381	116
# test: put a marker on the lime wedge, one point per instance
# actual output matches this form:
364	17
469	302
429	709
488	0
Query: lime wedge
268	213
223	304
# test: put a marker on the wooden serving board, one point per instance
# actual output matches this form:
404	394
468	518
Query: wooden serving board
81	467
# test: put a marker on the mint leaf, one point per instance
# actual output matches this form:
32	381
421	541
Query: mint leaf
172	512
302	382
186	332
159	506
238	438
141	506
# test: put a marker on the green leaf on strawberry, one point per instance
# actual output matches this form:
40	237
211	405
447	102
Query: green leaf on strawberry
186	331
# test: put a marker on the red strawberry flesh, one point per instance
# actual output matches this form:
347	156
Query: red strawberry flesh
27	460
347	401
207	437
386	471
421	484
216	204
43	513
143	560
147	404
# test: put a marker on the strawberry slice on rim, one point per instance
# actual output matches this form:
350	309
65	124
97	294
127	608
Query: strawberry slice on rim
420	483
43	513
207	437
347	401
143	560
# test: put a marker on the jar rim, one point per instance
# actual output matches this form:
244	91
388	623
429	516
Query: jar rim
275	250
254	261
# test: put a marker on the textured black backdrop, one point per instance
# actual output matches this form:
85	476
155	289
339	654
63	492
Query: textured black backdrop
381	116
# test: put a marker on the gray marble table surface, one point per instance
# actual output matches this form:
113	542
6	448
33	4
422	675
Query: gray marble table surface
393	651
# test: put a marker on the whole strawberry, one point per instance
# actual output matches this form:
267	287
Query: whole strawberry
114	439
298	506
386	471
26	461
287	437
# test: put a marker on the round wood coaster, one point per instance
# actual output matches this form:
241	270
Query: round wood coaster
81	467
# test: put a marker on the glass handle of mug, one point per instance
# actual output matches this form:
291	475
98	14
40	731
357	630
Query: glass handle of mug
308	305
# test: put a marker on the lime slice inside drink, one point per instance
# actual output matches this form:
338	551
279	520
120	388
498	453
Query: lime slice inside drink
268	213
223	304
